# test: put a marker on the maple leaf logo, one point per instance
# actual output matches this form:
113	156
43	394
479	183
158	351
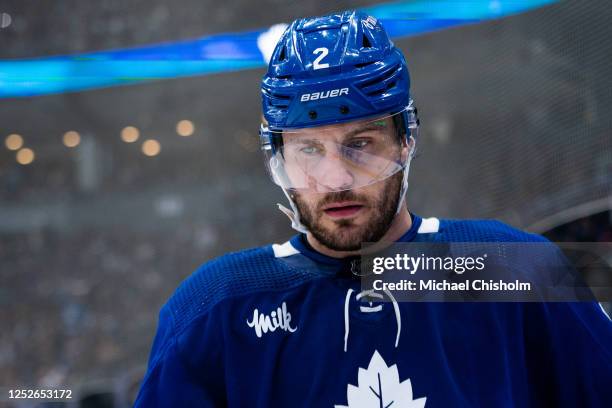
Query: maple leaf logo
379	386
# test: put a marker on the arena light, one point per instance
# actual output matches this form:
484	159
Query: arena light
13	141
71	139
5	20
151	147
25	156
130	134
185	128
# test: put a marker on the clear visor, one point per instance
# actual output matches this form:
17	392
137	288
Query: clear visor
337	157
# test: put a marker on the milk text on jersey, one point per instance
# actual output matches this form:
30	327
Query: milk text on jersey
279	319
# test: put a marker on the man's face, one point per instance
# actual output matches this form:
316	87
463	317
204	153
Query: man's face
342	218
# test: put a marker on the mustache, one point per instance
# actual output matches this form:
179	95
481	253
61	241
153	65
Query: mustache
346	195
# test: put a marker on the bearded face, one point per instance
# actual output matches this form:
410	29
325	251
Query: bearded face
343	220
345	179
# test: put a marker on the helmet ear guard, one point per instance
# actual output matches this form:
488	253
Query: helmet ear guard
407	123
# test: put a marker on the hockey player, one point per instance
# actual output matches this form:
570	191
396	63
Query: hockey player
287	326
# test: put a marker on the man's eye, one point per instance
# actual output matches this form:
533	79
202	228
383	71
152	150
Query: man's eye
309	150
358	144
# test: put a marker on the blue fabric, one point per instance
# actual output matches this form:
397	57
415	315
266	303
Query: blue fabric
454	354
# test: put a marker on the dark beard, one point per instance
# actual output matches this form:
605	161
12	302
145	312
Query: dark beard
343	238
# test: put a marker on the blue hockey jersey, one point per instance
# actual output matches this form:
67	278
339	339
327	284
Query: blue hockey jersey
285	326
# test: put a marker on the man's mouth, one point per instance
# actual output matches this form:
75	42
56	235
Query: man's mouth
342	209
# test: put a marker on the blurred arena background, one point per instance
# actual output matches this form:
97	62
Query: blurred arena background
126	190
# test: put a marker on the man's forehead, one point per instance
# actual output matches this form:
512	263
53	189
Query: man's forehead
381	122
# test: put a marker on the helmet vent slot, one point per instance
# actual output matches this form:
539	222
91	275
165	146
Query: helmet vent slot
384	81
365	41
283	54
364	64
279	100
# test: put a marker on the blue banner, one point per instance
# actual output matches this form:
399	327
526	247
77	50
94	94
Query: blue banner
224	52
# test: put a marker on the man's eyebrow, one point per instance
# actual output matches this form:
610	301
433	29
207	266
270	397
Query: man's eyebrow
376	125
303	139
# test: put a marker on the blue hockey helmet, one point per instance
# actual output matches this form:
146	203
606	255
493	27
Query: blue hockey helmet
333	69
328	70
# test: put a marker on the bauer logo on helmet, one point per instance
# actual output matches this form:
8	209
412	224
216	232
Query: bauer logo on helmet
324	94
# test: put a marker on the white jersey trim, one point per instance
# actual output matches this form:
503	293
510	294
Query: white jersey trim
429	226
603	309
284	250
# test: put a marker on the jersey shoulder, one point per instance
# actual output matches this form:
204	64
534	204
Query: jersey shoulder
231	275
483	231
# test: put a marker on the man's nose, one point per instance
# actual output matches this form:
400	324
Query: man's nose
334	174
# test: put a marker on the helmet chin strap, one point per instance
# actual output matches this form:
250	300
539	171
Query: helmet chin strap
406	171
294	214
